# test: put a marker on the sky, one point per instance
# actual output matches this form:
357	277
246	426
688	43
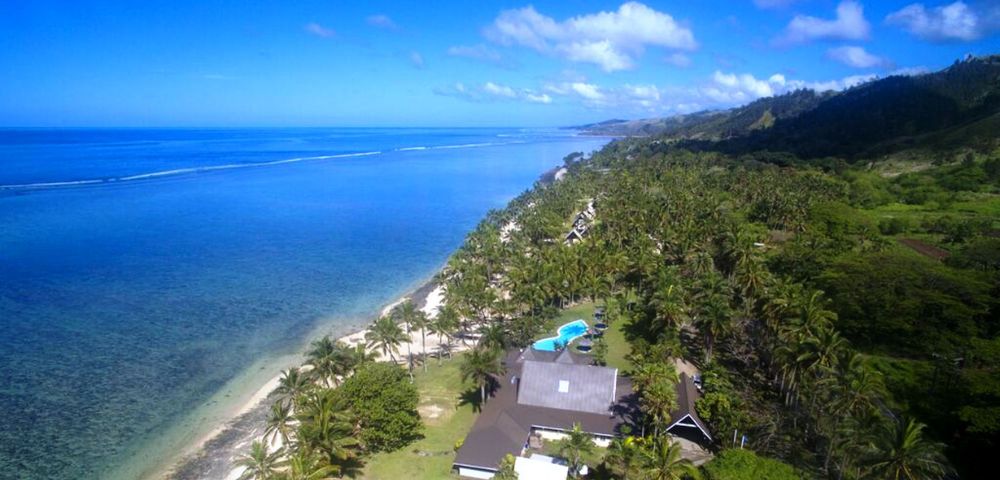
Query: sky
191	63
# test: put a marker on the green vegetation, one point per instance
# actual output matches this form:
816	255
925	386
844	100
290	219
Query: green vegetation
844	314
737	464
386	406
787	286
446	419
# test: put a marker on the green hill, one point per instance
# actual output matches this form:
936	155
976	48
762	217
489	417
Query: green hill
930	111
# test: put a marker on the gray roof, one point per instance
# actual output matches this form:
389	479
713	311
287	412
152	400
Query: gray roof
503	425
567	386
565	355
685	414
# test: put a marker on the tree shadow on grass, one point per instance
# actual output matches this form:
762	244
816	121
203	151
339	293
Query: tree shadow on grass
473	396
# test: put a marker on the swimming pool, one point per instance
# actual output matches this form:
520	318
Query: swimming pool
567	333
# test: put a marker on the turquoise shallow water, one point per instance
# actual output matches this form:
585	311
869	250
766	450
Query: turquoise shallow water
125	303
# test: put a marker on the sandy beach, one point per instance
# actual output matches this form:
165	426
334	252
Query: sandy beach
211	455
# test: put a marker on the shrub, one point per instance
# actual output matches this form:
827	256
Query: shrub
386	404
739	464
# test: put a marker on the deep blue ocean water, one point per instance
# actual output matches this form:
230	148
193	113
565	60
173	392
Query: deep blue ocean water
127	299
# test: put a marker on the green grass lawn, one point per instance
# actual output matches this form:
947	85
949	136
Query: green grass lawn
617	347
614	336
445	423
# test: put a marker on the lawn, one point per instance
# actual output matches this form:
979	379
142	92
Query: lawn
445	422
614	336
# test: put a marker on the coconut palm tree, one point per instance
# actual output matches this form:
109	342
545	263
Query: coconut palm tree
444	326
715	319
279	423
662	460
480	366
326	360
292	385
576	444
385	335
358	355
259	464
624	456
421	322
305	465
899	451
494	337
407	313
326	426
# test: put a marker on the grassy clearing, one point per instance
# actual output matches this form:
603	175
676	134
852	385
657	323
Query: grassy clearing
617	347
445	423
614	336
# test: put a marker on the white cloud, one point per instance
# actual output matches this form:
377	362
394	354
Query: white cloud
588	91
678	60
417	59
850	24
610	40
538	98
955	21
499	90
856	57
492	91
319	30
381	21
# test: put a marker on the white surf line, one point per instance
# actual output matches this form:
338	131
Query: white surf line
467	145
179	171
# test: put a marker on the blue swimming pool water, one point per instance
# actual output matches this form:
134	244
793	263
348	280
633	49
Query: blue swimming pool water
567	333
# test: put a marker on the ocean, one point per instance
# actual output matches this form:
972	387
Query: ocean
149	276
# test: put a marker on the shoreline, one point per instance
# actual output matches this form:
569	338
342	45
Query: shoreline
210	454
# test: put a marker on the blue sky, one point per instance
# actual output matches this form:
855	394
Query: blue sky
442	63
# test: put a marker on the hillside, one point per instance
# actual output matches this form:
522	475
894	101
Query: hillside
876	118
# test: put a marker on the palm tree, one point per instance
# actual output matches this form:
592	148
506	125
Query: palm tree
259	464
420	321
444	326
305	465
407	312
385	335
505	470
899	451
623	456
293	385
327	360
279	423
663	461
359	355
494	337
480	366
574	447
714	320
326	426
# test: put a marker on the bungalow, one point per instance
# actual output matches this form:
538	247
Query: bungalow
542	395
684	421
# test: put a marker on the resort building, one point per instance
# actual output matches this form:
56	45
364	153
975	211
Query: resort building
540	398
